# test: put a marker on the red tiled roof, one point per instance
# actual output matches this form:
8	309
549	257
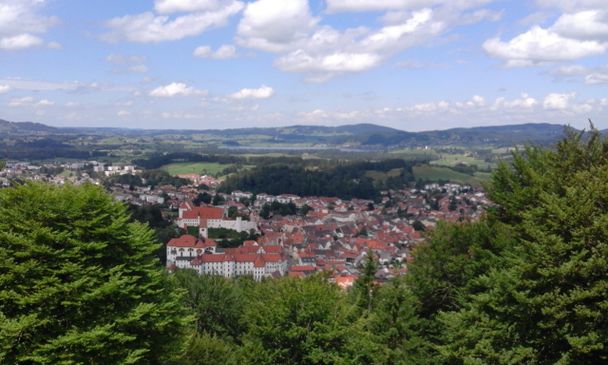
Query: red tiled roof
183	241
204	212
303	268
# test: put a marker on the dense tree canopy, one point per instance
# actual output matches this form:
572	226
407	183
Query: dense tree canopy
79	282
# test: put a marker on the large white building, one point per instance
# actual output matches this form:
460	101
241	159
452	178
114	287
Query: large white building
211	217
251	259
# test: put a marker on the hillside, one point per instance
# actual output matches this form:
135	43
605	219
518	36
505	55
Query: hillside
362	135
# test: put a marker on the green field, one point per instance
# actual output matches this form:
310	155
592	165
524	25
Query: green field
455	159
436	173
208	168
381	175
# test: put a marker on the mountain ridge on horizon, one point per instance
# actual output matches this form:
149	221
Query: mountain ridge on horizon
29	125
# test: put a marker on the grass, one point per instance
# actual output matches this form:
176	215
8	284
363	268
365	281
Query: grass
381	175
451	160
436	173
210	168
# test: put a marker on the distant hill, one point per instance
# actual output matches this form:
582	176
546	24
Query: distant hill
366	136
24	127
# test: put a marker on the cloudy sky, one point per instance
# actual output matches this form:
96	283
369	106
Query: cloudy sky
409	64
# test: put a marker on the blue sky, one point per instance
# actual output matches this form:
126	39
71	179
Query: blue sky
409	64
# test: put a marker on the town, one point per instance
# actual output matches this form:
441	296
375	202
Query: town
262	236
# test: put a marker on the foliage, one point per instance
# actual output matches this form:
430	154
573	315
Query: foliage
297	321
79	282
343	180
548	304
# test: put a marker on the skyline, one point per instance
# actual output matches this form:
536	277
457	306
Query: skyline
208	64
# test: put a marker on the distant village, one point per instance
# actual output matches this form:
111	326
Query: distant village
286	235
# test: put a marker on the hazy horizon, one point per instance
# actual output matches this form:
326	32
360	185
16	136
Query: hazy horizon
412	65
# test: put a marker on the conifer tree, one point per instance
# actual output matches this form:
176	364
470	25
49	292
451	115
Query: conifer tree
548	304
79	283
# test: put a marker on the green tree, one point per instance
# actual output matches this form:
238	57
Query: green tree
265	211
217	200
206	349
2	165
216	302
79	282
364	288
297	321
547	304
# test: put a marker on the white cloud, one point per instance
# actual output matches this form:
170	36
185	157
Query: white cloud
573	5
275	25
174	89
263	92
335	6
45	102
150	28
584	25
20	41
597	77
29	101
123	113
524	102
19	21
558	101
540	45
4	88
224	52
187	6
288	29
300	61
18	102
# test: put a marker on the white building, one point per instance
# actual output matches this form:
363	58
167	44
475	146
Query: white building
251	259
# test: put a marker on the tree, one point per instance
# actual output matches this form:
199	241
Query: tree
548	303
217	200
364	288
232	212
305	210
203	197
79	282
419	226
216	302
265	211
297	321
2	165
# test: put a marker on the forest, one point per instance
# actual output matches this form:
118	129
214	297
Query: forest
526	284
344	180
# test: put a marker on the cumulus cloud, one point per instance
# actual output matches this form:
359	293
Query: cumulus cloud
581	31
289	29
174	89
275	25
263	92
584	25
4	88
175	6
558	101
20	20
224	52
151	28
539	45
20	41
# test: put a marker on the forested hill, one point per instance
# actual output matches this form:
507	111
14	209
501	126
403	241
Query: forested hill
364	136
